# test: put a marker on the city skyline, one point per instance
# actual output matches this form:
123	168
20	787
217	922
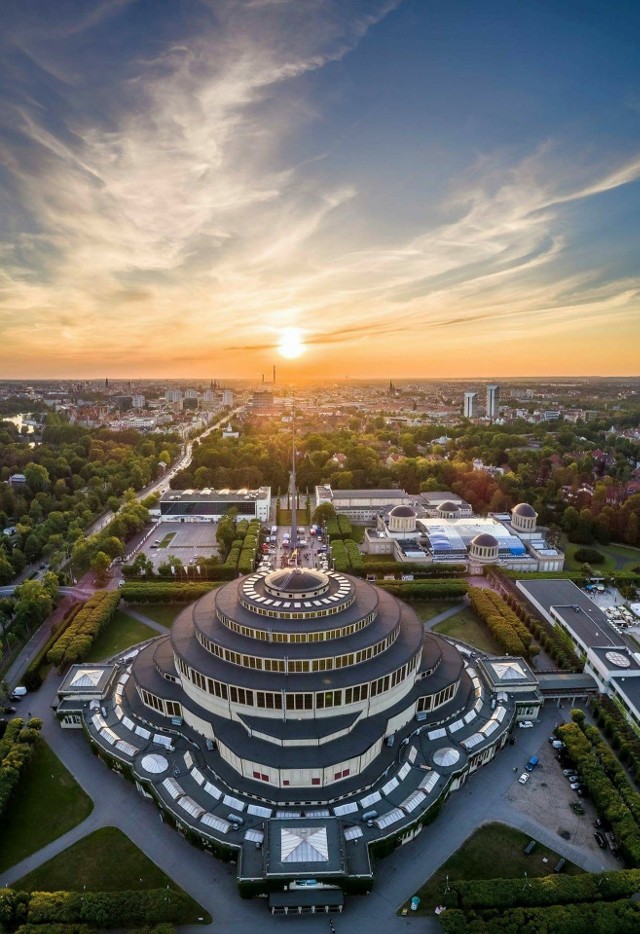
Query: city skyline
339	188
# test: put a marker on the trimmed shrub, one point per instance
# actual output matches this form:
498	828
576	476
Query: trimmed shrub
16	748
170	592
588	556
74	643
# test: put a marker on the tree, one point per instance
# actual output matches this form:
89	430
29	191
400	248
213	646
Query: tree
37	477
323	513
34	603
100	563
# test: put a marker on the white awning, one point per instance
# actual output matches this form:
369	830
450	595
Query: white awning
404	771
413	801
161	740
188	759
173	788
128	722
472	741
141	731
234	803
254	836
413	752
391	817
371	799
390	786
197	776
257	811
216	823
341	809
191	807
437	734
212	790
352	833
429	782
108	734
127	748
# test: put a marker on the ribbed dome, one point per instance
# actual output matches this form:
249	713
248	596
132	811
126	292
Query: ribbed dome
448	506
296	580
524	509
485	540
402	512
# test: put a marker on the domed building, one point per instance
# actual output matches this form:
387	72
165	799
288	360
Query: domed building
402	519
524	518
484	548
292	705
448	510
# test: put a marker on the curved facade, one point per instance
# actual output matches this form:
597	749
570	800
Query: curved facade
484	548
524	517
293	702
330	658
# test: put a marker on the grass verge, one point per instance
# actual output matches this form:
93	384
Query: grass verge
164	615
466	626
121	632
428	609
494	851
104	861
166	541
47	803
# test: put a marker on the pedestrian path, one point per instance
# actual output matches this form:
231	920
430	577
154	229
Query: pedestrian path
141	618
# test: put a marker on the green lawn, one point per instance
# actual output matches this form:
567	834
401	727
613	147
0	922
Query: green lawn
617	557
121	632
285	517
162	614
466	626
104	861
427	609
166	541
357	533
379	559
494	851
47	803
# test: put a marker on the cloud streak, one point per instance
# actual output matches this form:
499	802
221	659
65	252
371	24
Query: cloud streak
182	222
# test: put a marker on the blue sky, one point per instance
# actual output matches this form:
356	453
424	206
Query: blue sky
421	188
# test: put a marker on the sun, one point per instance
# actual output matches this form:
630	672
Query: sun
291	344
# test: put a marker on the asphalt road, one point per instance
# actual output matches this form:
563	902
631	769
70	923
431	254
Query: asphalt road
484	798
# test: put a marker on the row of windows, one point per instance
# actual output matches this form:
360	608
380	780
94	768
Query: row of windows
432	701
312	614
294	666
266	635
273	700
167	707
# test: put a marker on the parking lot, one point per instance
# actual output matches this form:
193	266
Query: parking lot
185	540
547	797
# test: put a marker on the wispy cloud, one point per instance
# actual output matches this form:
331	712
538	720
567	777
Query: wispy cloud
182	222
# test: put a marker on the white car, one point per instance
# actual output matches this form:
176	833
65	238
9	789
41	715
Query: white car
525	724
524	778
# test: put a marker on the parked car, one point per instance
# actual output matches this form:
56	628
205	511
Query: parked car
7	709
574	786
577	808
600	840
598	822
524	778
525	725
567	772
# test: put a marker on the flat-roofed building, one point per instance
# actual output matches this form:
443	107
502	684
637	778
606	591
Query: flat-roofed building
361	505
209	505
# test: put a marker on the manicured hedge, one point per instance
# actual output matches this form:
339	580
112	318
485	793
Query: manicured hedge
340	557
345	527
171	592
32	678
427	590
501	622
606	783
108	909
354	556
16	748
74	644
434	569
621	917
618	731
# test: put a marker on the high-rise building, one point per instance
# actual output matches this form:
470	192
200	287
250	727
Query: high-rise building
227	397
173	395
493	401
138	401
470	409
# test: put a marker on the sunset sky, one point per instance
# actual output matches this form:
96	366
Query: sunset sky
422	189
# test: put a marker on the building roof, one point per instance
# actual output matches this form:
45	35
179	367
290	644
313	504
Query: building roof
449	506
485	540
403	512
297	580
524	509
